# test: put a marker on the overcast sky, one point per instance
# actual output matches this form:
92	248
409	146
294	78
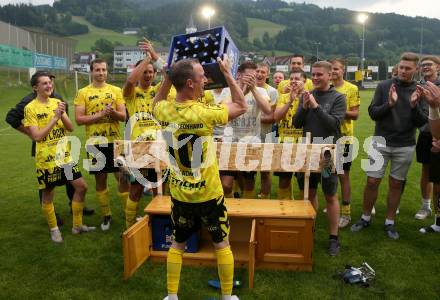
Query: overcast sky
425	8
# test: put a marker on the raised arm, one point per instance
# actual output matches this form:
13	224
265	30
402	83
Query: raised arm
300	116
164	89
238	105
280	112
263	101
134	77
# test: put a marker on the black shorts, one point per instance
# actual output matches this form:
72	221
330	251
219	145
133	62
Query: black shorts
434	168
107	151
329	184
148	174
283	174
49	178
187	218
423	148
235	174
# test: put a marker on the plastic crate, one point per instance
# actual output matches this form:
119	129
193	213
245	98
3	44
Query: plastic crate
206	46
163	235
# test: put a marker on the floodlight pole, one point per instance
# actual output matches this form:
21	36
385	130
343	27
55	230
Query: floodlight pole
363	53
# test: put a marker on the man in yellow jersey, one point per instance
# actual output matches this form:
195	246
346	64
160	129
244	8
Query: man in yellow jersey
139	93
351	93
297	61
47	123
100	107
285	111
196	191
267	121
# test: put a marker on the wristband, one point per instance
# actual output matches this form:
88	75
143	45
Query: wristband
158	64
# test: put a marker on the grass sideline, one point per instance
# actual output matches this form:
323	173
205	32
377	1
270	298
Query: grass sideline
90	266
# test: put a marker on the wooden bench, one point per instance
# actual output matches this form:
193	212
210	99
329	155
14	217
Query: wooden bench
273	234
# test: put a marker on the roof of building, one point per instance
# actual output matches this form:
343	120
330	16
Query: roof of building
278	60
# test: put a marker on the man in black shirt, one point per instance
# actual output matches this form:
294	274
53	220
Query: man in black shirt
397	114
14	118
321	113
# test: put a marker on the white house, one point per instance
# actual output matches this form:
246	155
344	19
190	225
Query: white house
125	57
130	31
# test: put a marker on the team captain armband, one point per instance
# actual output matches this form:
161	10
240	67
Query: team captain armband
434	113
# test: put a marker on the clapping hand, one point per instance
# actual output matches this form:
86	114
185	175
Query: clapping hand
416	95
248	82
431	94
148	48
392	95
60	110
309	101
108	109
435	145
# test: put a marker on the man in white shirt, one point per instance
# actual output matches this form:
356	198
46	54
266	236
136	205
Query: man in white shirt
247	127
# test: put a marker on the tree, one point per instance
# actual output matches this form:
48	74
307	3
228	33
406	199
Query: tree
103	46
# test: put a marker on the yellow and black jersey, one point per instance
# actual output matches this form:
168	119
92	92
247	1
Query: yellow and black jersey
140	113
47	154
308	86
94	100
286	131
351	93
187	127
208	98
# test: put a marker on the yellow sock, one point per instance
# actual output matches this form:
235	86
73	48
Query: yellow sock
49	212
229	195
130	212
124	199
104	202
248	194
345	209
77	212
225	263
285	194
174	265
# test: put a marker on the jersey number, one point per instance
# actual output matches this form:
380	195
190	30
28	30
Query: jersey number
190	152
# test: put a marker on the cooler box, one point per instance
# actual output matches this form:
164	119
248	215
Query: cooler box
163	235
206	46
